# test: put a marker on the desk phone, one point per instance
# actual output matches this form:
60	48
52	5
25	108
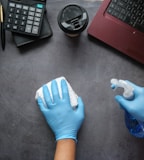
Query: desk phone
25	16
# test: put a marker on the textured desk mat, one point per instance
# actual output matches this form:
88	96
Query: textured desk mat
88	65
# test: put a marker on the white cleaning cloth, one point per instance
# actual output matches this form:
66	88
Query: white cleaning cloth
72	94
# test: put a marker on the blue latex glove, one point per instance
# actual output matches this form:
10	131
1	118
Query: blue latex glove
135	106
63	120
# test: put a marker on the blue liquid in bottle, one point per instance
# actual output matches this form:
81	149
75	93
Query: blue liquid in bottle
135	127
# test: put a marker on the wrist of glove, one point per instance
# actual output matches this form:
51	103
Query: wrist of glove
135	106
59	114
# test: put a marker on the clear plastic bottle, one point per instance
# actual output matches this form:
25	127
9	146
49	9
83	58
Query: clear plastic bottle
135	127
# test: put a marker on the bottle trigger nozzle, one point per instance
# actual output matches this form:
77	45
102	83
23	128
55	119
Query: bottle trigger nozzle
128	89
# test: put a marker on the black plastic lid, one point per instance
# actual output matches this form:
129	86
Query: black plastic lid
73	19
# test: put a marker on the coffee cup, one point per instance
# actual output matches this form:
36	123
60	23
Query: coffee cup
73	19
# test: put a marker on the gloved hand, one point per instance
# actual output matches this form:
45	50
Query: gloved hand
135	106
63	120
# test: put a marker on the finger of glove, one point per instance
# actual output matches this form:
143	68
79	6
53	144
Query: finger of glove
132	84
80	108
65	92
40	104
47	96
55	91
137	89
123	102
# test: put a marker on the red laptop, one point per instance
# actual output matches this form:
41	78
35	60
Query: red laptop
120	24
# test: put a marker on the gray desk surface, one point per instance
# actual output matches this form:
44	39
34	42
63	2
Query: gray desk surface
88	65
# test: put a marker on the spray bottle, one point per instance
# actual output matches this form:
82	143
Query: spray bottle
135	127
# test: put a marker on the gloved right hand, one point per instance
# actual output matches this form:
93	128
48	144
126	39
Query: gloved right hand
135	106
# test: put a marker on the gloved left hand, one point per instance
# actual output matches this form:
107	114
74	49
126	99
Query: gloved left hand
59	114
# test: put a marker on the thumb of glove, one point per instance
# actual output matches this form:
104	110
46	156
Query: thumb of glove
124	104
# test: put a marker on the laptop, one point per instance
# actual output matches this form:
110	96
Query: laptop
120	24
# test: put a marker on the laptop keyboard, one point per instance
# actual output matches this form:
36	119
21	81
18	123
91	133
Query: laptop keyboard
129	11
